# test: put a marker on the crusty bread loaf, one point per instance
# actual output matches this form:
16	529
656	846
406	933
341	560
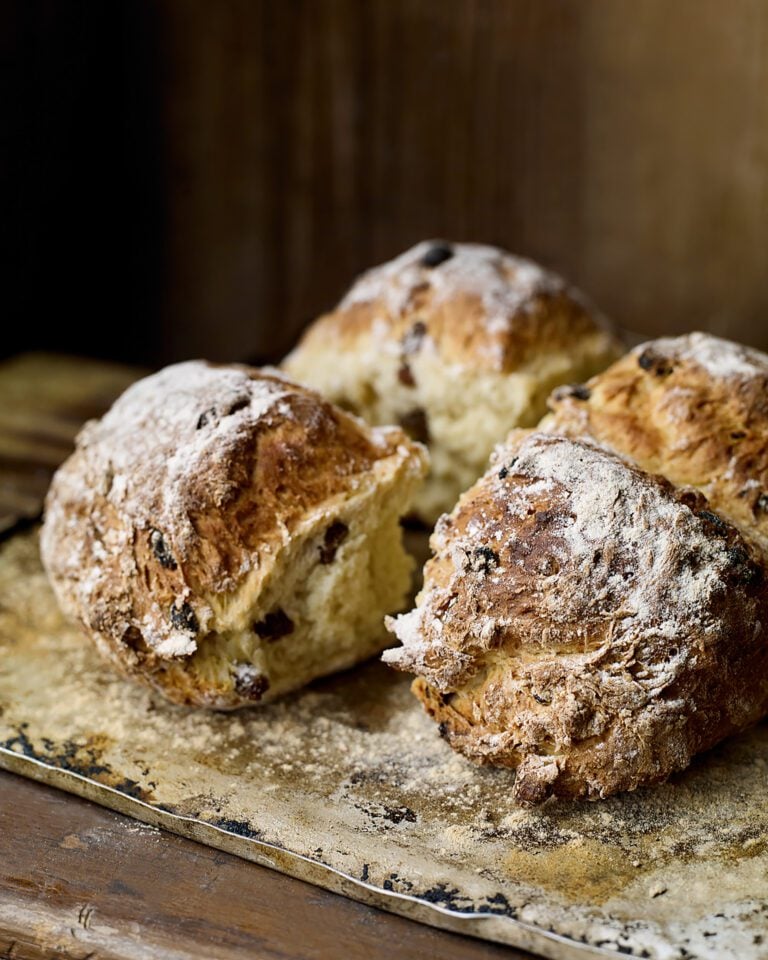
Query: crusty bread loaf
227	535
457	343
692	408
586	622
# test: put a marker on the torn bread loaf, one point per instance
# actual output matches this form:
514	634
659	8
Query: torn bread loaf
226	535
458	343
586	622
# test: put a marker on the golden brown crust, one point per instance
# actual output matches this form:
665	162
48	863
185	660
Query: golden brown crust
586	622
458	344
195	479
694	409
476	306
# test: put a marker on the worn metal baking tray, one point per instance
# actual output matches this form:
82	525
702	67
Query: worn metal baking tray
348	785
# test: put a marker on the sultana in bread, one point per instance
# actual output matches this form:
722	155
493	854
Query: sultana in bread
226	535
586	622
457	343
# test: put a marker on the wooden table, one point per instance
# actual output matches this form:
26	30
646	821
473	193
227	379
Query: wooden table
83	883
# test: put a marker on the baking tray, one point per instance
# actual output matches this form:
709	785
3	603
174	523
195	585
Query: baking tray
348	785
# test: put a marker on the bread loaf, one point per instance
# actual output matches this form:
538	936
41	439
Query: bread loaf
692	408
226	535
586	622
458	343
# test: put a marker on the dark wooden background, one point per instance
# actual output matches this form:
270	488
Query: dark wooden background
185	178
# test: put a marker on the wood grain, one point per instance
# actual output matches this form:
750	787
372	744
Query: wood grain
82	883
203	179
44	400
625	147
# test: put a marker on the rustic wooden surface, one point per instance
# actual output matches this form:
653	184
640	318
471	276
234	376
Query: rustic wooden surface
203	178
44	400
624	144
78	882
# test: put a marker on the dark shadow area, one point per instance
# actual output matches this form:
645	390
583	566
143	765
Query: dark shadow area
183	178
82	188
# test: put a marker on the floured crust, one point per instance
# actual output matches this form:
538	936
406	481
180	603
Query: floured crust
197	480
480	308
586	622
458	344
692	408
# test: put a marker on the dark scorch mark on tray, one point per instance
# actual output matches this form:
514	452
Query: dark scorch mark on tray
84	760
